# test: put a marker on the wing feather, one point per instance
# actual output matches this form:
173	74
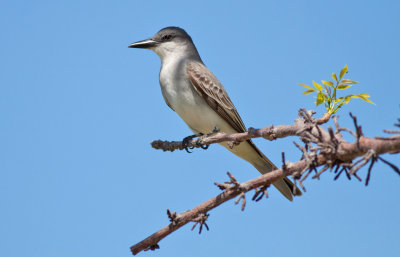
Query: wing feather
208	86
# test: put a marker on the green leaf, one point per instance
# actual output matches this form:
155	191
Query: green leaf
342	86
349	81
326	90
317	86
347	99
308	87
343	71
367	100
340	105
320	98
328	83
328	101
334	76
308	92
363	97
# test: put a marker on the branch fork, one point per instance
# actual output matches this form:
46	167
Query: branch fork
322	148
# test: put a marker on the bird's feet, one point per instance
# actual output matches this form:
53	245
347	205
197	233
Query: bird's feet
186	140
200	136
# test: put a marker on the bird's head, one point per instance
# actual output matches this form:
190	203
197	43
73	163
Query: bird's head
168	41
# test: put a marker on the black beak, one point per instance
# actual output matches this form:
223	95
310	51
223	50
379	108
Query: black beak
148	43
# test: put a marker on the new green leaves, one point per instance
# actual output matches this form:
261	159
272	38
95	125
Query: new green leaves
310	89
326	93
343	71
317	86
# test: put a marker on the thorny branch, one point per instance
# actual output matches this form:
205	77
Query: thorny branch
322	147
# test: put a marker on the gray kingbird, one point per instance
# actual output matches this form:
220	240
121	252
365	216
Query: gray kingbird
196	95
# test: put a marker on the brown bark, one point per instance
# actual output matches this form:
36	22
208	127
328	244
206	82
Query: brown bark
322	148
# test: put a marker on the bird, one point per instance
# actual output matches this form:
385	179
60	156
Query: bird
191	90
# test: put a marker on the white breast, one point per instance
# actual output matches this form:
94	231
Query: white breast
186	102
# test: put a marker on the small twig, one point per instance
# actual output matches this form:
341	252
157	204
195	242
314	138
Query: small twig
364	160
173	217
152	247
259	193
233	183
284	167
324	119
391	131
369	170
242	197
316	176
358	130
397	170
302	186
201	219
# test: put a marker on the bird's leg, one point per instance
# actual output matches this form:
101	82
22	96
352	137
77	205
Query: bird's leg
200	136
186	140
204	146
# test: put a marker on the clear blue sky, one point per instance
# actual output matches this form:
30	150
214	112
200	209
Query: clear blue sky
79	109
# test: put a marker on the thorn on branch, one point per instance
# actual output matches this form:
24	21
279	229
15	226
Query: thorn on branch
340	172
369	171
242	197
391	131
317	174
201	219
303	178
228	184
284	166
391	165
310	158
363	160
357	177
358	130
231	144
302	149
295	188
397	124
340	129
306	115
302	186
259	193
152	247
173	217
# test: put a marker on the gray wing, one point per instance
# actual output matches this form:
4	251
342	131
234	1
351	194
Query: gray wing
208	86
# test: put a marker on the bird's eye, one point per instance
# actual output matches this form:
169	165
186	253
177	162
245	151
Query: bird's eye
166	37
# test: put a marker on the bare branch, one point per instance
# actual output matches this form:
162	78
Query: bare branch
322	148
270	133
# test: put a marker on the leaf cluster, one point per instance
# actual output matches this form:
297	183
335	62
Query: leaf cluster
327	92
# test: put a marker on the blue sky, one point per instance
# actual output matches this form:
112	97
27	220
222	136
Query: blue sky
79	110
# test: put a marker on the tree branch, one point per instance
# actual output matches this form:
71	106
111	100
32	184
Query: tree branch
322	148
304	122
